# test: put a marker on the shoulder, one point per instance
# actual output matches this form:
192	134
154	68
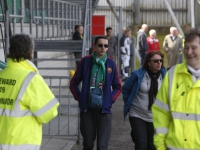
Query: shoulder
110	61
139	71
86	58
38	80
168	36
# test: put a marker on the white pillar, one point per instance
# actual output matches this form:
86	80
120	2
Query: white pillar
192	13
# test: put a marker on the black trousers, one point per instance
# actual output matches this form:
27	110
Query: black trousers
95	124
142	134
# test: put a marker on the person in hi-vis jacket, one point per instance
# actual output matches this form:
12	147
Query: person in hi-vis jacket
26	101
125	53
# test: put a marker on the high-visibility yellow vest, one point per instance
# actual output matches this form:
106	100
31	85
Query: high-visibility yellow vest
176	111
183	40
25	103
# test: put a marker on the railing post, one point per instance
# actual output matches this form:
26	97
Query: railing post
6	26
23	14
42	19
31	16
119	36
48	22
14	19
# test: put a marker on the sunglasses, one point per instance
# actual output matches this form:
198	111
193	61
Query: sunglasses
157	60
101	45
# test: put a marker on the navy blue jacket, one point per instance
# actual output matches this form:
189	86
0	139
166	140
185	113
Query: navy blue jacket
132	85
83	74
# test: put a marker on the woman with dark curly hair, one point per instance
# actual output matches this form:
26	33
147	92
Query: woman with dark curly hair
139	93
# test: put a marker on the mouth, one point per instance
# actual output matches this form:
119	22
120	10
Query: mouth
190	57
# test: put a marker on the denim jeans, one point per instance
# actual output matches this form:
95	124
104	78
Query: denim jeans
142	134
142	56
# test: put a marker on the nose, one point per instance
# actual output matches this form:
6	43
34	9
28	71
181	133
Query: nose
189	50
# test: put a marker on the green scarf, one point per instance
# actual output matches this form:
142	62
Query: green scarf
98	71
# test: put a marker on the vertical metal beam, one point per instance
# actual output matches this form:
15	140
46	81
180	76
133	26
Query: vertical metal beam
31	16
14	18
192	13
137	11
37	20
42	19
70	17
174	17
58	15
6	26
62	22
119	36
80	14
90	26
66	16
53	35
48	22
23	14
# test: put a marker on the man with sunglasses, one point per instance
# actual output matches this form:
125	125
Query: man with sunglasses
96	71
176	111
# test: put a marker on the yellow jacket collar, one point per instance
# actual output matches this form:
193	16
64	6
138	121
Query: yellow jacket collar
27	64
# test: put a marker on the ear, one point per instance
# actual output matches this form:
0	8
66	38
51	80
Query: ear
149	64
31	54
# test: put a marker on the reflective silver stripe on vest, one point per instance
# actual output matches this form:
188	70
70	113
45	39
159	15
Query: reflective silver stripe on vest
170	75
173	148
20	147
185	116
16	112
23	89
161	130
161	105
45	108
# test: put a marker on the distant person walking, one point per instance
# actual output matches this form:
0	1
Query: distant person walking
125	53
142	45
100	83
139	92
152	41
132	52
112	44
78	35
173	46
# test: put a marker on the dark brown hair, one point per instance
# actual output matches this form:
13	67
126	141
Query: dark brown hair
149	56
192	34
108	28
99	37
20	47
